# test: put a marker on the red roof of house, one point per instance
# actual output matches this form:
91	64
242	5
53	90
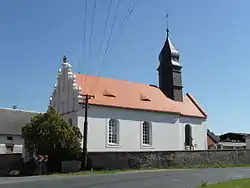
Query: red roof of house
133	95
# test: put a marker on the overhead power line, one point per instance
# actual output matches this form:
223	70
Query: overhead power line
92	28
112	28
127	17
82	60
84	31
106	24
109	37
90	42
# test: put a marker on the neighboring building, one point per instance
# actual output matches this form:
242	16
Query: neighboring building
131	116
233	141
11	123
212	140
248	142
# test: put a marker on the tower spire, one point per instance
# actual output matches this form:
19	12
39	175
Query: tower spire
170	79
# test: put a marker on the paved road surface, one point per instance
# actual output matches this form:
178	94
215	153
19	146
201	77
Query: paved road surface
147	179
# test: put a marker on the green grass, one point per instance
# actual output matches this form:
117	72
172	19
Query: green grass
238	183
211	166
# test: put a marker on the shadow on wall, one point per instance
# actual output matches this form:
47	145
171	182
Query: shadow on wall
188	120
129	114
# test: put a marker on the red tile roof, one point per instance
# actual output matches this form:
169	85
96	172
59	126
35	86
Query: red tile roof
133	95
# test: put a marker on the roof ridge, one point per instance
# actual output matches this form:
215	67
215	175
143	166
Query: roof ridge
114	79
22	110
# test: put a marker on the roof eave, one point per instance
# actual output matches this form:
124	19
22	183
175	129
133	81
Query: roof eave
148	110
193	116
197	105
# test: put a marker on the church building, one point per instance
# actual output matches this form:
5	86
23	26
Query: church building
131	116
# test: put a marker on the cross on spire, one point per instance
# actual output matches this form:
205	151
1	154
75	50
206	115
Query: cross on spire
64	59
166	16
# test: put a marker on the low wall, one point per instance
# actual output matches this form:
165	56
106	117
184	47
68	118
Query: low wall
166	159
9	159
71	166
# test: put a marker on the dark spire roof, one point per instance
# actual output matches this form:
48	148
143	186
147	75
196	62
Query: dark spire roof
170	48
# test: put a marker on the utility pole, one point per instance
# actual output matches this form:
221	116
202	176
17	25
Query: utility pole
86	98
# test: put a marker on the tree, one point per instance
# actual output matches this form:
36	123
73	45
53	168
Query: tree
49	134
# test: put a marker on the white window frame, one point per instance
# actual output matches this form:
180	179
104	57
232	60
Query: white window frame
117	132
149	144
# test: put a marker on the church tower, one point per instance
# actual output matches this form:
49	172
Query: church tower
169	70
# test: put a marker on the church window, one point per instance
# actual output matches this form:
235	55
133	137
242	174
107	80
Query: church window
62	108
188	135
9	147
63	82
113	131
70	121
146	133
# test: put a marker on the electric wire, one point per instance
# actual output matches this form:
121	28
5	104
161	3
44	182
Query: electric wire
108	42
127	17
90	42
106	24
84	36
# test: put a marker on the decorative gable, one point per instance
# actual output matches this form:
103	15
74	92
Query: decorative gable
66	94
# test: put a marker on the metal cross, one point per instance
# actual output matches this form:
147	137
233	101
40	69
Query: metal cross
167	22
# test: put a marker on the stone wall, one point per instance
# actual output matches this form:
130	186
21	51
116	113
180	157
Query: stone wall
166	159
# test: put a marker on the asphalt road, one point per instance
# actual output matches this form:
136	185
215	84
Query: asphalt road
165	178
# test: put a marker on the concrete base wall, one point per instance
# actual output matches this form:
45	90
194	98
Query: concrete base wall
166	159
71	166
9	159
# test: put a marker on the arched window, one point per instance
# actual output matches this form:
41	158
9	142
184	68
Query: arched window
146	133
188	135
70	121
113	131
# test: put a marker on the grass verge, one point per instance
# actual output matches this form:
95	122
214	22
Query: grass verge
210	166
237	183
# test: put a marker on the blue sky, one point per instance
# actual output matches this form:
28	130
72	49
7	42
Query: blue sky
212	37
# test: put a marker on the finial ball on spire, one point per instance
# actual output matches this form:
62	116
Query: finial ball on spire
167	31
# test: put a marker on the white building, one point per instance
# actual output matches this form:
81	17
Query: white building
130	116
248	142
11	123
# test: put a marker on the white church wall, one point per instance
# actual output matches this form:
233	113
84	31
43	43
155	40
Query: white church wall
247	143
198	129
167	133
